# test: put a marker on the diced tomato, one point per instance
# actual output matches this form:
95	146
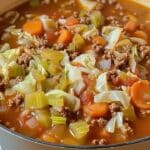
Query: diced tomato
51	37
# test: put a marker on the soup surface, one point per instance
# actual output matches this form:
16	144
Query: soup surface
76	71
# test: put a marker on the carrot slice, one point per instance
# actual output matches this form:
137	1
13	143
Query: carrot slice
99	40
65	36
141	34
140	94
97	110
72	21
34	27
130	26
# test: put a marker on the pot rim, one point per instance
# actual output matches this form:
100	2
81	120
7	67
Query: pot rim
49	144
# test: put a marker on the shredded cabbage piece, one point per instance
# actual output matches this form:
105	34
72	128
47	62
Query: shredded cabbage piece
111	35
102	83
113	96
70	100
27	86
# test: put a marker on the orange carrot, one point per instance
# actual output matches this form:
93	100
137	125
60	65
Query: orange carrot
72	21
97	110
140	94
99	40
130	26
33	27
141	34
65	36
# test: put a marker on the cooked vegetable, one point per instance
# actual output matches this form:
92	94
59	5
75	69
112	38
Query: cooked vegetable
70	100
115	122
33	27
34	3
77	42
27	86
72	21
113	96
56	102
100	40
140	94
141	34
56	120
97	110
79	129
111	35
65	36
102	83
43	117
87	4
130	26
36	100
97	18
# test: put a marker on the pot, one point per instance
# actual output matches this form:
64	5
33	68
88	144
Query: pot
10	140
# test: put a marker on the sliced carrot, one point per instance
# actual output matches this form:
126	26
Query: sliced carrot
34	27
141	34
140	94
97	110
99	40
130	26
65	36
72	21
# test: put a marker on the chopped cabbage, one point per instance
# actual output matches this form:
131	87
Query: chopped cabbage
113	96
111	35
102	83
87	60
27	86
70	100
115	122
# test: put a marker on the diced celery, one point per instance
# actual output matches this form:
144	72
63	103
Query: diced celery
38	75
130	113
34	3
36	100
80	28
97	18
43	116
56	120
77	43
53	69
15	70
79	129
63	82
55	102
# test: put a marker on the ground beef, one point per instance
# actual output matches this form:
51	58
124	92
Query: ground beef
16	101
15	81
99	142
112	75
98	48
70	115
145	54
114	107
128	131
101	122
24	59
113	20
144	113
3	84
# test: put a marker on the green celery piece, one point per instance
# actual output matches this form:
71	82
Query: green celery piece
56	102
36	100
57	120
43	117
97	18
77	43
15	70
79	129
34	3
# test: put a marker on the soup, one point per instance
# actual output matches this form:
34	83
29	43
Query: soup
76	72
